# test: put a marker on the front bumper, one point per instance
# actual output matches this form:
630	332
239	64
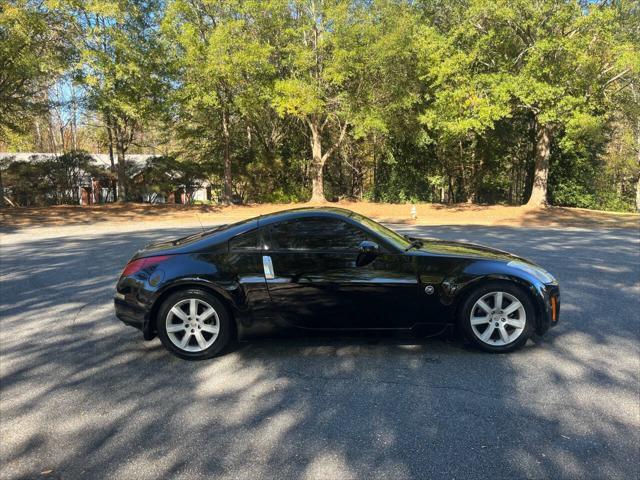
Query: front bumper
550	308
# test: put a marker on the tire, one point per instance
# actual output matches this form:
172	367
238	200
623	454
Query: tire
208	332
497	330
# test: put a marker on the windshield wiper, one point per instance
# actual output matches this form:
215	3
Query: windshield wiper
414	244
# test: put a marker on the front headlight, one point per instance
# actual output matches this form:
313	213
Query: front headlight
537	272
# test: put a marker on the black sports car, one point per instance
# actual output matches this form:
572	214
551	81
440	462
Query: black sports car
329	269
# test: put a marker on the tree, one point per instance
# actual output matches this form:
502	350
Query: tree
464	100
325	73
553	60
34	50
220	63
625	100
486	101
121	67
166	174
384	96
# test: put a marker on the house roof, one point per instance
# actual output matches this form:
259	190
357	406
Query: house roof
101	159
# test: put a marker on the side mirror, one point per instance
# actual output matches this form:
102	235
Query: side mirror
368	252
369	248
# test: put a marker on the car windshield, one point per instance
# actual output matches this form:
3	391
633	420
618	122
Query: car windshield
392	237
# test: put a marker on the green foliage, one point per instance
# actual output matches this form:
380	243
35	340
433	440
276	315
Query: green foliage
34	50
586	166
166	174
571	194
120	58
390	100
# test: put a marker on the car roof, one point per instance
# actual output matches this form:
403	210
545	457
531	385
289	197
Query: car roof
304	212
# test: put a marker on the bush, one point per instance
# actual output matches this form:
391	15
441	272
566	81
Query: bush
280	196
49	180
572	194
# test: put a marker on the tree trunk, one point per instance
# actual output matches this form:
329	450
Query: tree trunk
476	171
375	169
538	196
39	142
74	119
638	182
317	165
62	142
451	198
638	157
111	160
1	189
227	194
52	138
122	172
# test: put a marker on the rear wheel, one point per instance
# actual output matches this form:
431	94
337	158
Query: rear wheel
193	324
498	317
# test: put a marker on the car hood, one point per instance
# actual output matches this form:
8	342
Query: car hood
463	249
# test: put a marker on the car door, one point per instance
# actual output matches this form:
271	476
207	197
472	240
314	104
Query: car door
245	261
315	280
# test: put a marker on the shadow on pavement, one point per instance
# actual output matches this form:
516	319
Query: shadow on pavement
84	396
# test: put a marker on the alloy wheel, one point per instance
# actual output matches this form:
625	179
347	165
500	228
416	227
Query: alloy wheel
192	325
498	318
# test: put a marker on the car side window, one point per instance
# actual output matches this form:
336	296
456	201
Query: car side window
245	242
319	234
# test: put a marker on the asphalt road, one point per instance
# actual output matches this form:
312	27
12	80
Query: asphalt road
84	397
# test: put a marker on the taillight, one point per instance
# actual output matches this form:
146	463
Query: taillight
142	263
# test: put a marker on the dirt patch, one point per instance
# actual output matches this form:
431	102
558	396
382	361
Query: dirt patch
426	214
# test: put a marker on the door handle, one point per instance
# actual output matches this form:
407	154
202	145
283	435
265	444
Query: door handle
267	264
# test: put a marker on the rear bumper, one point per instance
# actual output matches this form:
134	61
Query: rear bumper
133	315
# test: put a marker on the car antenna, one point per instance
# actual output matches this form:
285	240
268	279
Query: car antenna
201	226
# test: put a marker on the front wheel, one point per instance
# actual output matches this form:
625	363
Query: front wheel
498	317
193	324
